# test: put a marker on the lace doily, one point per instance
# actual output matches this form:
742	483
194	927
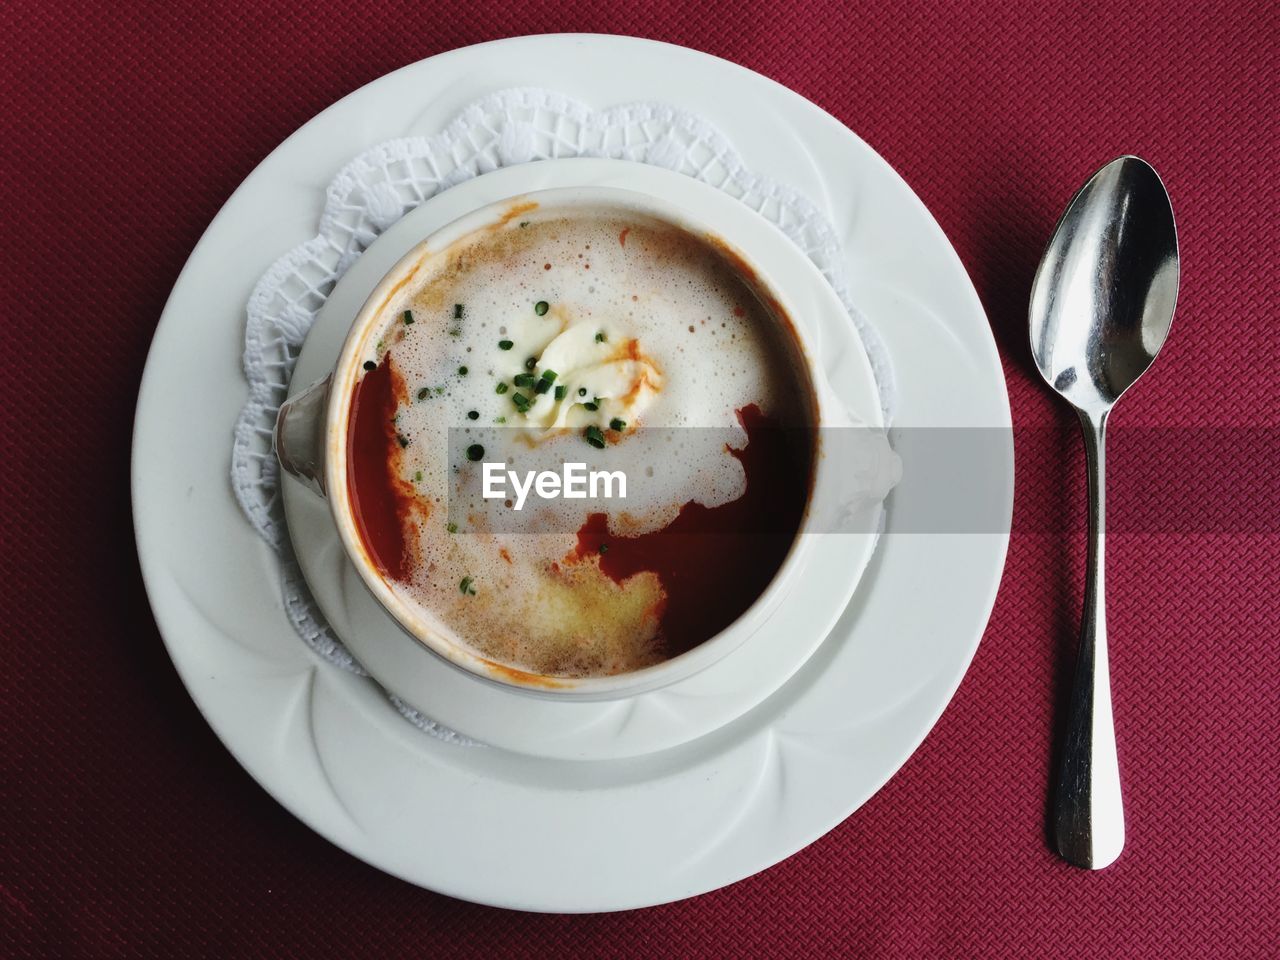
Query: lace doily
384	183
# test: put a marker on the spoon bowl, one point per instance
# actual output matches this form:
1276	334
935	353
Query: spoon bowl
1103	297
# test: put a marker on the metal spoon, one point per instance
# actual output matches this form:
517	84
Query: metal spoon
1101	306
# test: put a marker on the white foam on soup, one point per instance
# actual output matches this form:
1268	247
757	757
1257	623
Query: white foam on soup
589	320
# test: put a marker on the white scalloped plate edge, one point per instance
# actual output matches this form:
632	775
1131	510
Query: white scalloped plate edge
442	817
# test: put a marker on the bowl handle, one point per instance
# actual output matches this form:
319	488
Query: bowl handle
299	435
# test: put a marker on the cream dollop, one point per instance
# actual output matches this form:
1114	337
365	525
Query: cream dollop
597	367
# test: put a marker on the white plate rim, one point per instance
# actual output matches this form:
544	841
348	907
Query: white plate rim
150	477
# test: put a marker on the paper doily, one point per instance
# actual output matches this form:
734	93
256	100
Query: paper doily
385	182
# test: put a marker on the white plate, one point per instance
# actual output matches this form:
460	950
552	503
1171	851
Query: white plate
642	724
493	826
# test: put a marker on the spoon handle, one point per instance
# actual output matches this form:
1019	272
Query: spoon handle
1088	815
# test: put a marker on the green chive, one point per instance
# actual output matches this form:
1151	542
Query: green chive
593	407
524	223
466	586
501	388
505	344
473	414
455	331
582	391
404	441
549	376
500	420
542	386
521	401
370	365
604	548
600	337
452	527
457	311
541	308
462	371
424	393
475	452
417	477
439	390
561	391
531	363
523	379
616	424
594	437
408	317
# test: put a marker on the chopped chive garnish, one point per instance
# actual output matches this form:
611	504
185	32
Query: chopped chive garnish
521	401
475	452
462	371
370	365
523	379
549	376
408	317
604	548
542	386
616	424
467	586
505	344
594	437
582	391
457	311
403	440
473	414
524	223
451	527
455	331
424	393
501	388
600	337
439	390
593	407
417	476
541	308
500	420
561	391
531	363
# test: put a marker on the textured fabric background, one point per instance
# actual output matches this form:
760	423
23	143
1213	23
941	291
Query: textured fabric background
128	831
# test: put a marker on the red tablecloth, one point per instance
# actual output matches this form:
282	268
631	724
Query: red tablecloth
129	831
